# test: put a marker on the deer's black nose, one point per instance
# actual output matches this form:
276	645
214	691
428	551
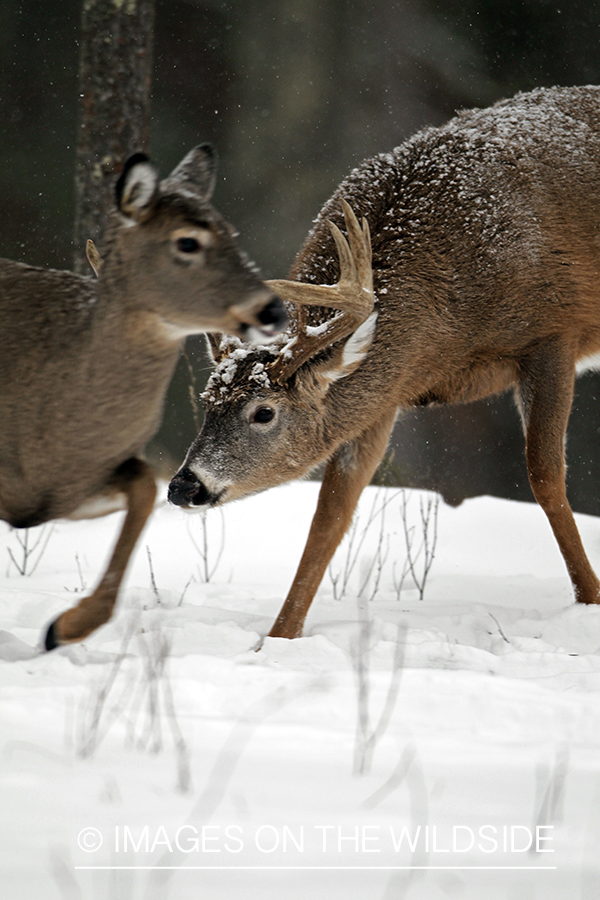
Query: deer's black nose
186	489
273	315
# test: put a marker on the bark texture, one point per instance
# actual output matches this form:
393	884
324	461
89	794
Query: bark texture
115	74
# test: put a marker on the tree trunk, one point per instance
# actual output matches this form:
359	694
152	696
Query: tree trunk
115	73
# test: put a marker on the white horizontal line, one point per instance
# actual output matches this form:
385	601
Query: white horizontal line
321	868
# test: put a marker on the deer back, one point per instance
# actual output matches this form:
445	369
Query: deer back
483	233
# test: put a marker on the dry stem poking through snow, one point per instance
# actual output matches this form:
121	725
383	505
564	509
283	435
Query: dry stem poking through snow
31	543
420	540
136	694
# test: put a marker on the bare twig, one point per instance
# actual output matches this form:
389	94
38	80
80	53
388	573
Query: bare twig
27	565
367	737
207	568
152	578
426	550
378	560
155	650
498	626
184	591
551	790
79	569
354	543
89	738
184	769
144	701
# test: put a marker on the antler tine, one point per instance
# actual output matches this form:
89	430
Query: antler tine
352	295
355	254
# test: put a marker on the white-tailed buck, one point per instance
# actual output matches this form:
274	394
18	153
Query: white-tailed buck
85	363
486	274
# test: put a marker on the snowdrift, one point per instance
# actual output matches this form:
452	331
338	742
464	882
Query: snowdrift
418	742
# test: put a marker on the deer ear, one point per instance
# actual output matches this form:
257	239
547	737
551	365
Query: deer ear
197	171
216	346
136	188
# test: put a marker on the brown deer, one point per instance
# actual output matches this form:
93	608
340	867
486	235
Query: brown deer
85	363
486	269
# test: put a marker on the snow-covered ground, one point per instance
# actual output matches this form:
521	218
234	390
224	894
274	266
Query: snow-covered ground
403	748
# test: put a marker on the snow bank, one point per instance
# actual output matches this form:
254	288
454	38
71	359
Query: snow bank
401	748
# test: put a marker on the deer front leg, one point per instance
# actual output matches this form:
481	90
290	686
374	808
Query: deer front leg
347	473
136	480
545	394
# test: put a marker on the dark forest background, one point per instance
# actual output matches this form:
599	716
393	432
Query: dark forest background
295	93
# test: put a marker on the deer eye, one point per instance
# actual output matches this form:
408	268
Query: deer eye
187	245
263	415
189	242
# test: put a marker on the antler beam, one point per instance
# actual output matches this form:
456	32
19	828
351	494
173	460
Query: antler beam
352	295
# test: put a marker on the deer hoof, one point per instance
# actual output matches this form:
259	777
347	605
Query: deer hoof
50	641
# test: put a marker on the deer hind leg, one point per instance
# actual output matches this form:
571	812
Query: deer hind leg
347	473
136	480
544	396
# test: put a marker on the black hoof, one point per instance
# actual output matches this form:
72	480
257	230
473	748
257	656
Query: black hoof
50	642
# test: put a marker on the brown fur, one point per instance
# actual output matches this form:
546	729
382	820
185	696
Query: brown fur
486	266
85	363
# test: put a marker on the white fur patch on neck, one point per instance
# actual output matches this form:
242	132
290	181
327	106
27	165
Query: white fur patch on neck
358	344
355	349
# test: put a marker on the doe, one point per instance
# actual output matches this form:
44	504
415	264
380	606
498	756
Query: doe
85	363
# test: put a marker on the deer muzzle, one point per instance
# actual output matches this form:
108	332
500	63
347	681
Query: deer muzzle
186	490
263	324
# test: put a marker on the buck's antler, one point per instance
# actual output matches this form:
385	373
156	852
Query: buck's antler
352	295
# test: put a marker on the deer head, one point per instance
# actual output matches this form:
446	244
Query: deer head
264	421
170	251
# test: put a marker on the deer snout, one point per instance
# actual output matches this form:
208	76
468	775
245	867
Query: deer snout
261	325
273	316
187	490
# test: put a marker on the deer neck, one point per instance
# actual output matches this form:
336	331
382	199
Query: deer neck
125	319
